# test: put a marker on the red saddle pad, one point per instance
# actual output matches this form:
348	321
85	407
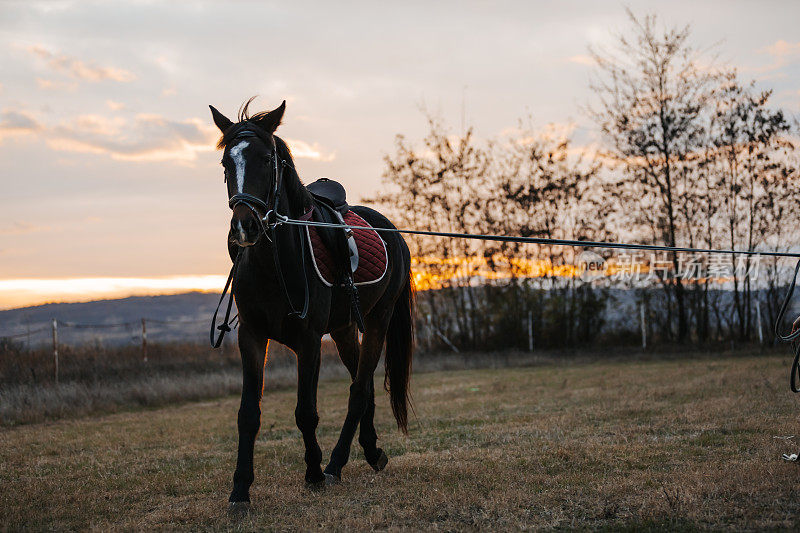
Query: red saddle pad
372	254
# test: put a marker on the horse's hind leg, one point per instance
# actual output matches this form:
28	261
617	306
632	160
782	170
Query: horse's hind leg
360	394
368	437
346	340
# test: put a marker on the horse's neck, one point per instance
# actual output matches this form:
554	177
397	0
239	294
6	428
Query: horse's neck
294	198
293	202
295	194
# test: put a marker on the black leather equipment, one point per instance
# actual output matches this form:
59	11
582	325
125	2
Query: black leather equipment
331	193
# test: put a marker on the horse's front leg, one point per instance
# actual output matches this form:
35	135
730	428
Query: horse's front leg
308	361
253	349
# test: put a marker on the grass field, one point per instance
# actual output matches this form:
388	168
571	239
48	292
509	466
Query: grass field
654	444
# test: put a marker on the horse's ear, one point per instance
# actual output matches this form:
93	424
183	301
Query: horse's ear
272	120
222	122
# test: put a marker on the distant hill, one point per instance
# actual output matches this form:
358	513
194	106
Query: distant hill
186	317
170	317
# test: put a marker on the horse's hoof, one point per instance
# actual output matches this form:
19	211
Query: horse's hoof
380	464
316	486
238	509
331	479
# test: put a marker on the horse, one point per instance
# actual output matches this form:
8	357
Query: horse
271	264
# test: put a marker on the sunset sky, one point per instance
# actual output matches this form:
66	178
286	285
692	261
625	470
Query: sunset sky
111	185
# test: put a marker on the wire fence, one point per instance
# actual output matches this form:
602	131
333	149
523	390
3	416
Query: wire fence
58	334
128	351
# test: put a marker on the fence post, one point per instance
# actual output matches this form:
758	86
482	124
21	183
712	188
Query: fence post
144	340
530	330
758	320
430	331
644	325
55	349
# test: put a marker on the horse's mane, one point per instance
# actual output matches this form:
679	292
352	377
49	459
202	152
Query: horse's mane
245	122
294	186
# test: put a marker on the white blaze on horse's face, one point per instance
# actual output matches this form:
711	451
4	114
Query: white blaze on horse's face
238	160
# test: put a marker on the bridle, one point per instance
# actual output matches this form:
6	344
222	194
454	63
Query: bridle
268	222
254	203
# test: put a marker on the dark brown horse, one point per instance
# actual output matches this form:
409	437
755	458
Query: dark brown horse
272	269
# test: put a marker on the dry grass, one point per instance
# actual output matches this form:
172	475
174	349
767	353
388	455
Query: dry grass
102	380
112	380
94	363
679	444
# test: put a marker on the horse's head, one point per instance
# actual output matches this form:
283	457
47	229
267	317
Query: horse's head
251	170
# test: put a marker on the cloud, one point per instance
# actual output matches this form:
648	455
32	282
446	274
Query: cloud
783	53
79	69
582	59
53	85
782	49
115	106
304	150
147	138
16	123
22	228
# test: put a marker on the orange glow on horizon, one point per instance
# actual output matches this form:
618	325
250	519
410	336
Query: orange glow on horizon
30	291
434	272
429	273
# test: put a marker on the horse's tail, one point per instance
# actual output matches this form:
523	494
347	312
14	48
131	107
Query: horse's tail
399	350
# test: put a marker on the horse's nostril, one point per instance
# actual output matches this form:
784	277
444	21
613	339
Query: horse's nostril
245	228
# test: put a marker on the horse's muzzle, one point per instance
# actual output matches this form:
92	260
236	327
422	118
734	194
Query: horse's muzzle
245	229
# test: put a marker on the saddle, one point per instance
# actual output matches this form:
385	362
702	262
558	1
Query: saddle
330	202
331	193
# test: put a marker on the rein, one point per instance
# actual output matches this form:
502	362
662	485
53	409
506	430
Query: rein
268	229
225	327
272	219
793	336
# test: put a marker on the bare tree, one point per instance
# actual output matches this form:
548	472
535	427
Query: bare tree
528	184
753	179
543	188
693	158
443	188
653	91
